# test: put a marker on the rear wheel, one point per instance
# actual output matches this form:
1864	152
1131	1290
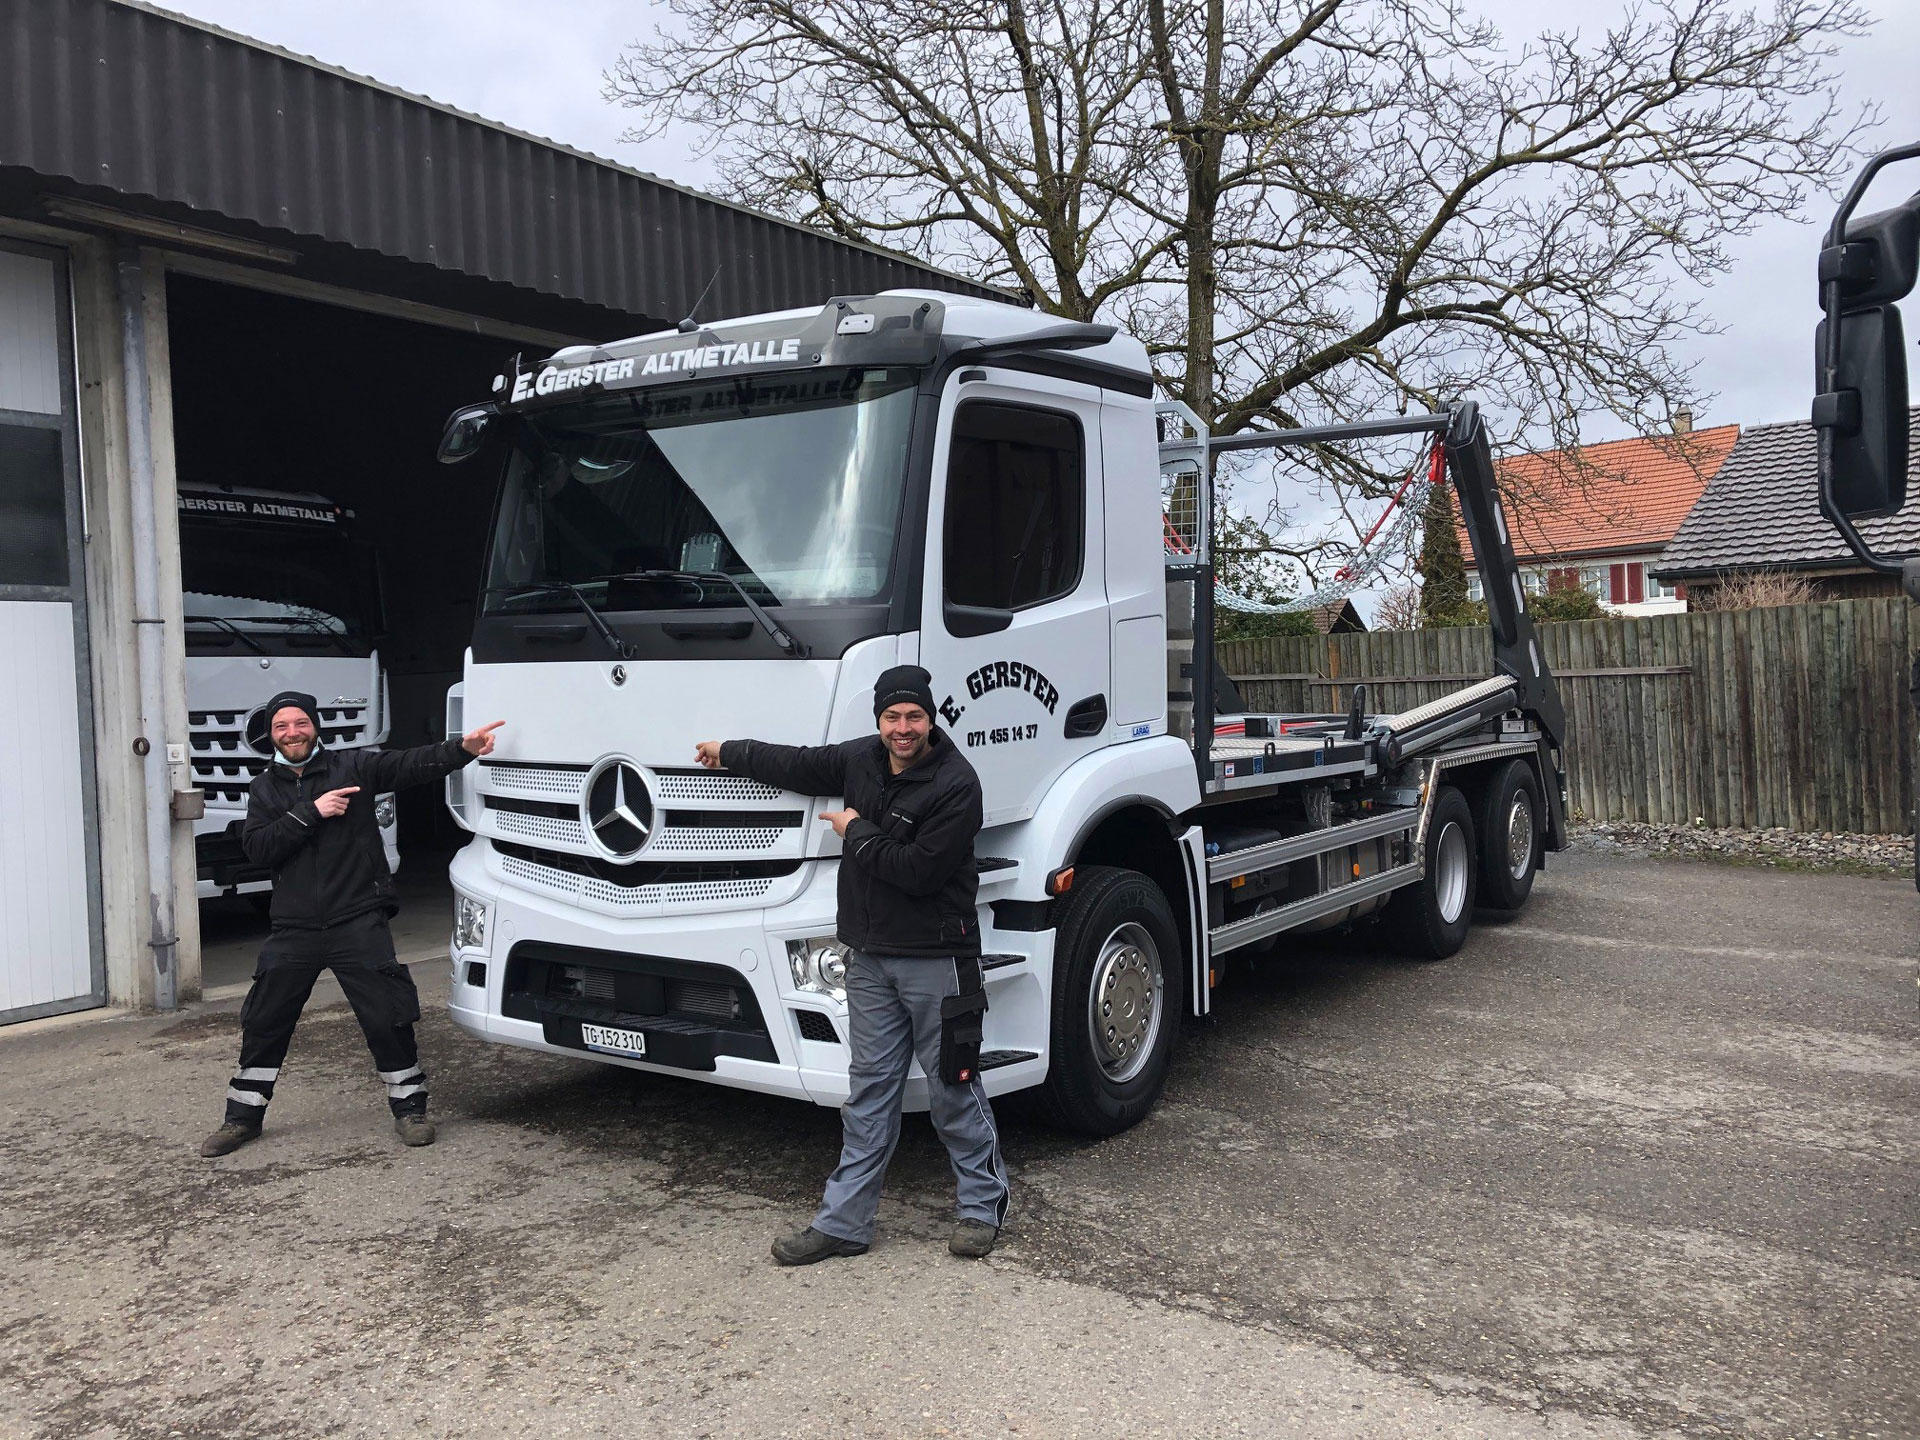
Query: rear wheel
1429	918
1116	1002
1512	830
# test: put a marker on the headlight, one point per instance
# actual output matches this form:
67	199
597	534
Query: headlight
469	924
819	964
384	810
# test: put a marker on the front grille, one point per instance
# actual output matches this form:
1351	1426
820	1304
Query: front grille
705	786
698	814
815	1026
645	886
512	777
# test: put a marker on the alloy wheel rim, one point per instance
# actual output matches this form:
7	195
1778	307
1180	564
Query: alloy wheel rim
1519	835
1125	1003
1450	871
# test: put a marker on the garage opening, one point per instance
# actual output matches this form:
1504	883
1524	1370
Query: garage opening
374	550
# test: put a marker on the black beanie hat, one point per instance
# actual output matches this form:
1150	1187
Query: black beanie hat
903	683
297	700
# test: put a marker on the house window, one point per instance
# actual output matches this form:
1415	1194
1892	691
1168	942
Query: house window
1658	591
1593	580
1474	591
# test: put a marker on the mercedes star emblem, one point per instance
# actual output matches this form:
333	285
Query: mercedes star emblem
617	810
619	674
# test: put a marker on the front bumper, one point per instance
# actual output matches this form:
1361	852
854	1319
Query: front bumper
797	1046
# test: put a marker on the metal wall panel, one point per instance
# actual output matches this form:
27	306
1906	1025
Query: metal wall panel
29	335
46	947
156	108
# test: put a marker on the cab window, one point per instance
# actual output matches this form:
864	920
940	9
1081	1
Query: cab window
1016	502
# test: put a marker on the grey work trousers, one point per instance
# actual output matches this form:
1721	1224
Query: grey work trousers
893	1013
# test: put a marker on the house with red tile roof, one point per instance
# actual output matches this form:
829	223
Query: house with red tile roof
1601	516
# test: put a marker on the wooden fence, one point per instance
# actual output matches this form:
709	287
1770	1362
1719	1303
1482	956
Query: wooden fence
1796	717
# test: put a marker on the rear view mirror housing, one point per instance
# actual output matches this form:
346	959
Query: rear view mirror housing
465	433
1865	409
1860	385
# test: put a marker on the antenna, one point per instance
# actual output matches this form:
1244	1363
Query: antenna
689	325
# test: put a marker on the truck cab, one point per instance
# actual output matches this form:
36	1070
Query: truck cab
730	531
277	595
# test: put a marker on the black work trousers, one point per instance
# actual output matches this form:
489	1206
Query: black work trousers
384	1000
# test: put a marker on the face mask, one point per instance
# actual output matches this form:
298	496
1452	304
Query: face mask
280	759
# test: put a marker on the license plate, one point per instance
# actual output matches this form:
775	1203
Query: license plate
610	1041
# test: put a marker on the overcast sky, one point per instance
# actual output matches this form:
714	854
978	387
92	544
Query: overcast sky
538	68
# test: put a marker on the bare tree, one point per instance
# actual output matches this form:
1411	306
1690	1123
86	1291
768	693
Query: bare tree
1398	609
1758	590
1309	209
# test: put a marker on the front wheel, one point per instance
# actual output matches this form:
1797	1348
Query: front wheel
1429	918
1116	1002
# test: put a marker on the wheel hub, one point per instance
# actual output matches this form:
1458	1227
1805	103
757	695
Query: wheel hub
1124	1004
1519	836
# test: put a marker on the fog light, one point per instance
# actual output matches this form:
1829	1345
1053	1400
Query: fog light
819	964
384	810
469	924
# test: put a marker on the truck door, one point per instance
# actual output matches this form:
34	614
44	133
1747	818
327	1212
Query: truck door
1014	620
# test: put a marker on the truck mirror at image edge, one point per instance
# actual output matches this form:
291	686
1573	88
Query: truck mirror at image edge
1860	366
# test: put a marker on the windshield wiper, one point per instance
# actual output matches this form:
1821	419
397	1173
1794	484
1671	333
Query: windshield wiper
339	641
561	587
773	627
221	622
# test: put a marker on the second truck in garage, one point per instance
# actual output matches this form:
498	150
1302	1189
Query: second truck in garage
277	595
731	530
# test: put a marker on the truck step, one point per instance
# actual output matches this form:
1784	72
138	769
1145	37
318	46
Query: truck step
994	1059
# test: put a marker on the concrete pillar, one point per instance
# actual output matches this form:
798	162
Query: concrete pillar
125	892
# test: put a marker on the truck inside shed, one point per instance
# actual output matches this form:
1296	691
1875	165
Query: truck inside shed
273	392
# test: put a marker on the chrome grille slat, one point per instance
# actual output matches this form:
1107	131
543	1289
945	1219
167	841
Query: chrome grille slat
640	897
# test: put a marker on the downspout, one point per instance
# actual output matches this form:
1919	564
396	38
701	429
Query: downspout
148	637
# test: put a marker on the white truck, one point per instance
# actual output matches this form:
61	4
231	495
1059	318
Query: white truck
732	529
277	595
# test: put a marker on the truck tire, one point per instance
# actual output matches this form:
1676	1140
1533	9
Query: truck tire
1117	970
1512	831
1429	918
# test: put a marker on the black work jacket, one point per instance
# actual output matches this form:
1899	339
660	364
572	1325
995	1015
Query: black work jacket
329	871
908	885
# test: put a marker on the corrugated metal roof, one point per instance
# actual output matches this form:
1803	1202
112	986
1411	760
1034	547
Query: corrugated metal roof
1609	498
121	97
1762	511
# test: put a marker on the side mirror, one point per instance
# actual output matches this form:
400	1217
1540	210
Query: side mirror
466	431
1864	405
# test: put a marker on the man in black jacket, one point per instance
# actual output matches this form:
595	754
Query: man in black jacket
310	820
907	913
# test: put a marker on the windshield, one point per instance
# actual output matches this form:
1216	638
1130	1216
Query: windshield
269	580
788	484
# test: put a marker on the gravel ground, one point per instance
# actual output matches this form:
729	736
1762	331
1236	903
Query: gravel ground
1784	849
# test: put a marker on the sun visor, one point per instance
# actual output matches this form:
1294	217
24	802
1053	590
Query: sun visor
867	331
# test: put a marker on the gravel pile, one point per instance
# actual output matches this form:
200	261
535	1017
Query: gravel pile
1800	850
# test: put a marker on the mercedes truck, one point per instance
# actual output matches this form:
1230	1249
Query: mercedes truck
732	529
278	594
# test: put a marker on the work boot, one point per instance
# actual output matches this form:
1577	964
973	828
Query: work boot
413	1129
228	1138
803	1247
972	1239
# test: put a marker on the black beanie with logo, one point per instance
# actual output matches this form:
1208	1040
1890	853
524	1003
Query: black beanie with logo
903	684
294	700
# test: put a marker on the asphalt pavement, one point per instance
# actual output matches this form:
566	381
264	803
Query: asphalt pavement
1642	1161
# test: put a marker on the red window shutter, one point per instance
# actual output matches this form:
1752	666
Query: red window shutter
1617	584
1680	592
1636	584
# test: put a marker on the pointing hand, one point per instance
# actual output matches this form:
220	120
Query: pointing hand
480	742
707	752
334	802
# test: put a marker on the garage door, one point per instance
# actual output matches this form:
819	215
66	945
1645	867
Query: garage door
50	954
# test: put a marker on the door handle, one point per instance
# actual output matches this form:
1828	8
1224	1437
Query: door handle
1087	717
